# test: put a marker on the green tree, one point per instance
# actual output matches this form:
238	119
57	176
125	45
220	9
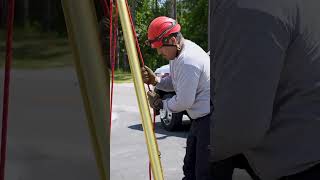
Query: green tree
145	12
193	16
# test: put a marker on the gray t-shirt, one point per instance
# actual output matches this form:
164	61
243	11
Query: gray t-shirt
190	79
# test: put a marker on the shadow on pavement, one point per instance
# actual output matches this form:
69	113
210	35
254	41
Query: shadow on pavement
182	133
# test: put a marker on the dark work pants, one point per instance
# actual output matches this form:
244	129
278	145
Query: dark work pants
196	160
223	170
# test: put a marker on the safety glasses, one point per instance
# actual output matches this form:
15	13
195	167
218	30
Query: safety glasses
150	41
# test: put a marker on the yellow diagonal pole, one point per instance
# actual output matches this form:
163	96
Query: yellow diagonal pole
94	80
152	145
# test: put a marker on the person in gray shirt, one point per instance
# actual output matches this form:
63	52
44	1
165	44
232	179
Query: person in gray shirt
266	86
190	79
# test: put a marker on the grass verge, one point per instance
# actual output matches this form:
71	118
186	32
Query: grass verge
33	50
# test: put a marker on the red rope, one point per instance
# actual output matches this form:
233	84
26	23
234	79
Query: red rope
135	34
115	35
142	62
111	57
6	86
109	13
112	49
150	173
105	7
136	38
154	127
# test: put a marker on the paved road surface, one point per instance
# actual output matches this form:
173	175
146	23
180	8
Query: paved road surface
48	135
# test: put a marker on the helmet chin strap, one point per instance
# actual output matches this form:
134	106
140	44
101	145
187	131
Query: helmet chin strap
179	46
174	45
168	45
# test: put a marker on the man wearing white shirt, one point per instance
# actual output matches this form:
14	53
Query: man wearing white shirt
190	79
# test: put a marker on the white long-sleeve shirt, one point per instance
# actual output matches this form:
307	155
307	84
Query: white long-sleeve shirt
190	79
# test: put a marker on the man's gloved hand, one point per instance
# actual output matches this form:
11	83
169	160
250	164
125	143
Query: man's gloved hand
148	76
154	100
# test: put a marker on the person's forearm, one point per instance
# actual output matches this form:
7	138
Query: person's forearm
165	84
187	84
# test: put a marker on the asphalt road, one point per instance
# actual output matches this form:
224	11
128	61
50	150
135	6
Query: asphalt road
48	138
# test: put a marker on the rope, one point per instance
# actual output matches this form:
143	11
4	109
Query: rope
135	34
105	7
6	89
142	64
137	42
108	12
154	127
111	57
115	35
112	49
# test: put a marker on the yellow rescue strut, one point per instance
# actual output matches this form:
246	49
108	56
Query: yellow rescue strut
82	26
152	145
94	81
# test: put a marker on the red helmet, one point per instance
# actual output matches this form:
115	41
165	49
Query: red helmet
161	27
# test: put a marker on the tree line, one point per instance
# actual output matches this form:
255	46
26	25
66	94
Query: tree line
47	16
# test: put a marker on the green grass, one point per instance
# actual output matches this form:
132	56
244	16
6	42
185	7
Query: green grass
34	50
122	77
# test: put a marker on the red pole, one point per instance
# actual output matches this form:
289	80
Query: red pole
6	86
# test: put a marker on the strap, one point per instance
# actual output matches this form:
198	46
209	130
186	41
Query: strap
6	87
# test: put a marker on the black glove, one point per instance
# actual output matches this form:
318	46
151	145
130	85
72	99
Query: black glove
154	100
148	76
